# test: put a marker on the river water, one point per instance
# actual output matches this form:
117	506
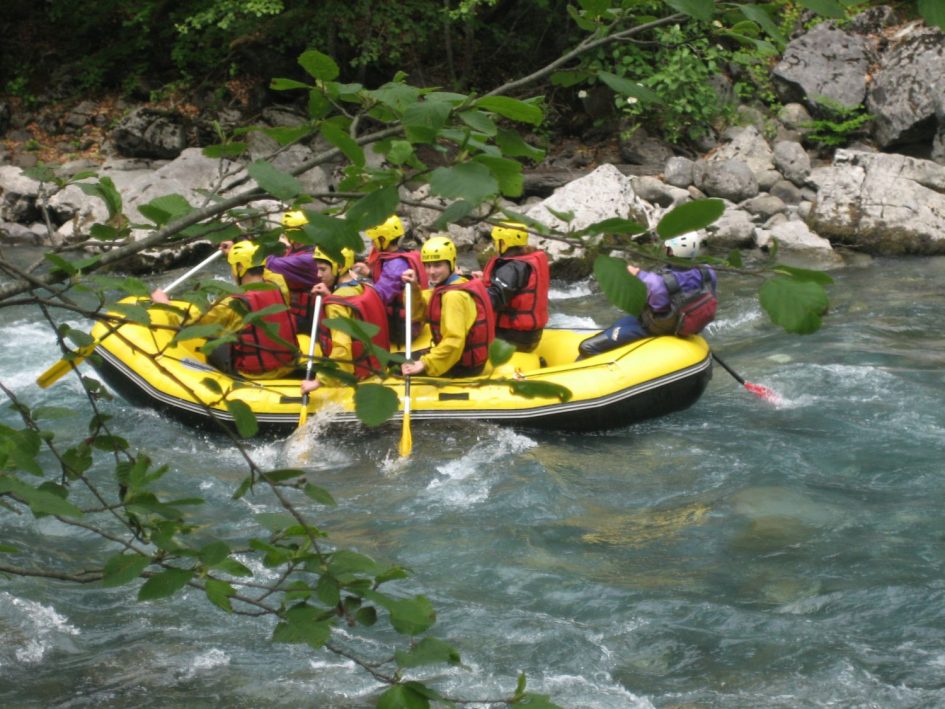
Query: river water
736	554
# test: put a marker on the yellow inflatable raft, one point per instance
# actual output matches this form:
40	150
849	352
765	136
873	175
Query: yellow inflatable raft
638	381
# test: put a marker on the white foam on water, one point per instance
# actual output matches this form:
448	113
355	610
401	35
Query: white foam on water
208	660
581	289
573	322
467	480
605	692
41	626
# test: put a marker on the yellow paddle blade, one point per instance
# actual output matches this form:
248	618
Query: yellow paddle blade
406	439
62	367
303	412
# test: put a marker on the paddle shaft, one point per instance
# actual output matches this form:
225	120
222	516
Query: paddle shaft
60	368
406	437
303	414
728	369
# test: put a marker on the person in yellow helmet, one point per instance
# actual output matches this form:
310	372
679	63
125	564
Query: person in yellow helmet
344	296
517	278
295	268
385	266
265	348
459	311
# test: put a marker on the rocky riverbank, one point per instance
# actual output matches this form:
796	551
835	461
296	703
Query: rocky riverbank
884	194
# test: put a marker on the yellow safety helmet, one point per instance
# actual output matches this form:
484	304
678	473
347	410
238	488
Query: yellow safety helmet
242	256
439	248
294	220
336	266
383	235
509	234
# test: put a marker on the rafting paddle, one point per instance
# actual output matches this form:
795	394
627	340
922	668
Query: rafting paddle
60	368
303	414
757	389
406	439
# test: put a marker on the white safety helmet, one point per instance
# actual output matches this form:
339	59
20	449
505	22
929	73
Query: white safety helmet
687	245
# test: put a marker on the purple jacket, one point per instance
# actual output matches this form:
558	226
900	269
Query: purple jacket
298	267
657	295
389	285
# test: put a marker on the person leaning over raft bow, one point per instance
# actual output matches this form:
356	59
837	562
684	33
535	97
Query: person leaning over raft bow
385	266
657	315
517	280
344	296
264	349
298	269
459	311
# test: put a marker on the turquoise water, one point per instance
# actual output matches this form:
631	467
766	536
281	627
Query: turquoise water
736	554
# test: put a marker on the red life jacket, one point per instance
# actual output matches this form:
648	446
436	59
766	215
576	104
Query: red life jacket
480	335
367	306
396	313
255	351
528	309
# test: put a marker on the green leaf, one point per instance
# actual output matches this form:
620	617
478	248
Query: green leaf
164	584
123	568
411	616
282	84
233	568
623	290
690	216
827	8
133	312
103	232
699	9
279	184
614	225
61	264
471	181
625	87
163	209
758	15
277	476
403	696
500	352
344	142
396	95
344	562
331	234
797	306
243	416
319	494
8	549
569	78
540	390
197	332
513	109
223	151
302	624
319	66
374	404
429	651
219	593
933	12
453	213
424	119
507	172
275	521
41	501
213	553
479	121
512	145
327	590
373	209
105	190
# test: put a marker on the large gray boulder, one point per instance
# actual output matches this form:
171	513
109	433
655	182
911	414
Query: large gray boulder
906	85
733	180
826	62
881	203
149	133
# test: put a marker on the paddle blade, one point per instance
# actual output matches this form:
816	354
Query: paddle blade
62	367
406	438
763	392
303	412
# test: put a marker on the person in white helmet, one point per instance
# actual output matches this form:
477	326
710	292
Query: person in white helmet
658	316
